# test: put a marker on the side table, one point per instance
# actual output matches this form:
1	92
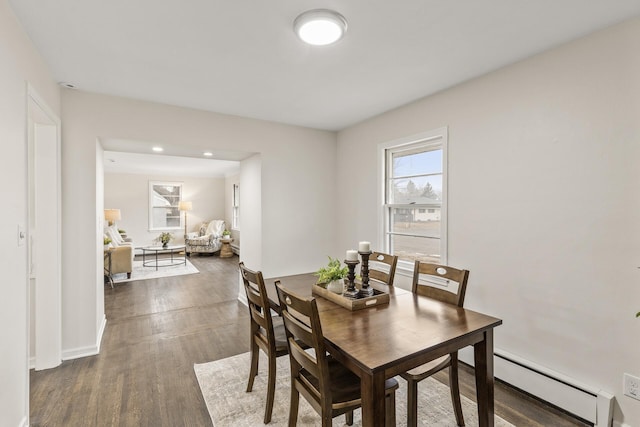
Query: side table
107	268
225	250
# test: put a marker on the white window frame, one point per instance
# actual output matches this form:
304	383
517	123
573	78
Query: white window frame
437	137
235	210
152	184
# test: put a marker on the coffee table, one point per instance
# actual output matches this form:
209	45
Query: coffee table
173	259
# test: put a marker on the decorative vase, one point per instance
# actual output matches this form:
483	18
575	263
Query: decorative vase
336	286
106	247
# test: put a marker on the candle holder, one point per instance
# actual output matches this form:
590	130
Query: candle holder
351	291
366	290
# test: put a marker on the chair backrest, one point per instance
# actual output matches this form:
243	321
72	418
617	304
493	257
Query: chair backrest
386	275
442	272
215	227
302	326
259	308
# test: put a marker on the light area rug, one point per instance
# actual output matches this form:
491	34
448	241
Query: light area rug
223	384
144	273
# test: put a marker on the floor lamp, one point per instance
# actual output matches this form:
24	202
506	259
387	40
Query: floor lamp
185	207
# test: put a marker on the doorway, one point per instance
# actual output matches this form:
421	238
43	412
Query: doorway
44	234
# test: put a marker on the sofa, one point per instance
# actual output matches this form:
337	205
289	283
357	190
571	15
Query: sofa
121	252
207	239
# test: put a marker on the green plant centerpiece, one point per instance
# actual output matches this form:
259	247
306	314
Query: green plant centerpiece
333	275
165	238
107	241
226	234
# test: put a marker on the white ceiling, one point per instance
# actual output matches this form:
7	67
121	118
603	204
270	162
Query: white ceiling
241	57
148	164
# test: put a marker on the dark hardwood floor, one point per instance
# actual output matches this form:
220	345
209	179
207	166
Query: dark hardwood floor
156	330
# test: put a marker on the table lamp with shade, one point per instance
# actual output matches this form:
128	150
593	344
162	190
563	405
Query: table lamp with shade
112	215
185	207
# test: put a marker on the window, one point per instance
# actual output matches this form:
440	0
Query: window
235	224
163	205
414	219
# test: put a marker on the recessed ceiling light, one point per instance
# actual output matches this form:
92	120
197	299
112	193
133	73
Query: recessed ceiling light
207	153
320	27
67	85
158	149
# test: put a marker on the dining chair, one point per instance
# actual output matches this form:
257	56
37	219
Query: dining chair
437	285
382	267
267	333
329	387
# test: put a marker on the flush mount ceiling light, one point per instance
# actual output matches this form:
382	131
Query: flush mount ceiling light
320	27
157	149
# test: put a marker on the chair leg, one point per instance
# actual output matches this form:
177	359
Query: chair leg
348	416
412	403
455	389
390	409
271	389
255	353
293	406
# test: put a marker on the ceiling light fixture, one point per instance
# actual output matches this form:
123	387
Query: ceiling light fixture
207	153
158	149
320	27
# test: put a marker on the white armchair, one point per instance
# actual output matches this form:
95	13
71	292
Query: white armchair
207	239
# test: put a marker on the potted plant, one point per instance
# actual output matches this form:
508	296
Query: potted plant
226	234
333	275
107	243
165	238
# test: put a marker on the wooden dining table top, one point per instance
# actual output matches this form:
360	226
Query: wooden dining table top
393	337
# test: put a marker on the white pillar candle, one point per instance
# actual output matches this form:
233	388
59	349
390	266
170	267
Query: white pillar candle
364	247
352	255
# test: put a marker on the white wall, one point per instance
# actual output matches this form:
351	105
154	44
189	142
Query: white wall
130	194
544	208
20	64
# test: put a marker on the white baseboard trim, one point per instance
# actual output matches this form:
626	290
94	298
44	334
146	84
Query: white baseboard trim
584	401
32	362
92	350
24	422
617	424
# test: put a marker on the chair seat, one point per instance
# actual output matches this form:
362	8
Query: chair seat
199	241
426	370
345	385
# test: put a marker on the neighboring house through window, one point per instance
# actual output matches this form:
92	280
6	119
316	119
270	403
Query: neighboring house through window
414	197
164	198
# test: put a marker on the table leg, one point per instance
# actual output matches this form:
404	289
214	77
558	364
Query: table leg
373	403
483	354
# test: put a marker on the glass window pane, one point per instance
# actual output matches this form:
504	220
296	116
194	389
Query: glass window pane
409	163
412	221
410	248
425	190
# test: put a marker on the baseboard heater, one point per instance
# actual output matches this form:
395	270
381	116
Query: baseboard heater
586	402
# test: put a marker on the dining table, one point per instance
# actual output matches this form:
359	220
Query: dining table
382	341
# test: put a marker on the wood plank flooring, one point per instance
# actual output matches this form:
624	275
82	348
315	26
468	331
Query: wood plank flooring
156	330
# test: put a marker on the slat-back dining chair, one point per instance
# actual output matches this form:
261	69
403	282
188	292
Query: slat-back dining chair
385	275
330	387
267	333
431	290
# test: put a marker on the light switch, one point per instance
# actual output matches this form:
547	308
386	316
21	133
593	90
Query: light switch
22	235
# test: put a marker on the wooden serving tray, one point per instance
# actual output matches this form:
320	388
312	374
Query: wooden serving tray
378	298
